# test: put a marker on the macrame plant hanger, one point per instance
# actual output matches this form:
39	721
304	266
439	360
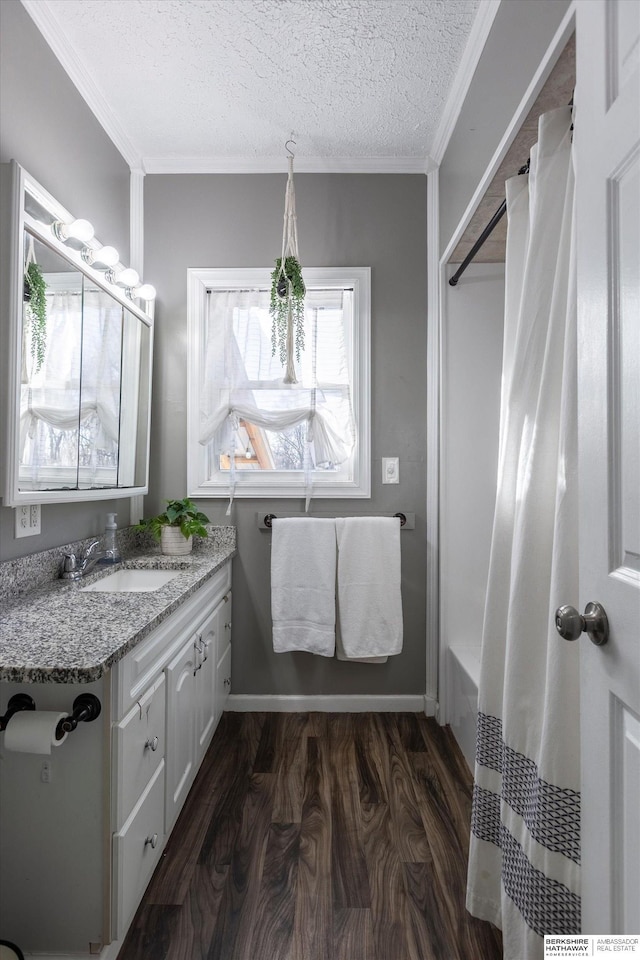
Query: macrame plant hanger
289	249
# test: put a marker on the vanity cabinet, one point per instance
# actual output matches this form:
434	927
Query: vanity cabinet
81	834
171	697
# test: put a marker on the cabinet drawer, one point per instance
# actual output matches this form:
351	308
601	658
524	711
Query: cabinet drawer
139	744
136	850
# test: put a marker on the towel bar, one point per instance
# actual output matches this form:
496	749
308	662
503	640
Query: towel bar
264	520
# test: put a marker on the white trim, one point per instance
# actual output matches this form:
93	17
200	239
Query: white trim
539	79
444	707
432	686
271	484
431	707
338	703
279	164
40	12
136	220
136	260
462	81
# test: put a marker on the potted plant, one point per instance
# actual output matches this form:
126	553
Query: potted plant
176	526
287	294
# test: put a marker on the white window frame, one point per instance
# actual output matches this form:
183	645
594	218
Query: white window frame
272	483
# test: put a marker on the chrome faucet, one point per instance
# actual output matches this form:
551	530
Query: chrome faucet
75	567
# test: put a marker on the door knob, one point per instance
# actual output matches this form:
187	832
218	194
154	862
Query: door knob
570	624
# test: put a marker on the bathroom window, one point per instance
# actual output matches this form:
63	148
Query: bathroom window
250	434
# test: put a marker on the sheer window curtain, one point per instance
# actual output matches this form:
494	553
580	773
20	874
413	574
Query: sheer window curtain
524	861
78	384
241	380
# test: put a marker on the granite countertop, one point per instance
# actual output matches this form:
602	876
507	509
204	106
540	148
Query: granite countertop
58	633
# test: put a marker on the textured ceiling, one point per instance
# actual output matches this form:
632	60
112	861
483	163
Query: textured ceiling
195	80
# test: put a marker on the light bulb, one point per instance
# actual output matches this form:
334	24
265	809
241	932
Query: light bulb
248	453
104	257
76	230
145	292
128	278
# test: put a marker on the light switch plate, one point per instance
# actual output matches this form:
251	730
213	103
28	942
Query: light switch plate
390	470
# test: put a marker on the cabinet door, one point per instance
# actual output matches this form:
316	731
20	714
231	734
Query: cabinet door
223	682
206	646
223	611
139	747
180	757
136	850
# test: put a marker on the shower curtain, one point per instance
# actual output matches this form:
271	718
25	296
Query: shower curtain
524	859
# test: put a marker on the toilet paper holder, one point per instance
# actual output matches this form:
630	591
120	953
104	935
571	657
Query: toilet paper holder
17	703
86	707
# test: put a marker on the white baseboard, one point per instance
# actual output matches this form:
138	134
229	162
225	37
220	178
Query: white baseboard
431	707
274	703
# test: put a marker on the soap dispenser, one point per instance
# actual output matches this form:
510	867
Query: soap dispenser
111	552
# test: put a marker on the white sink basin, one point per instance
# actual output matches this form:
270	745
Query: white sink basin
132	581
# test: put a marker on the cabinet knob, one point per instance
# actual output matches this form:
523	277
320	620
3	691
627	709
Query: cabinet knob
227	626
226	598
152	744
227	682
152	841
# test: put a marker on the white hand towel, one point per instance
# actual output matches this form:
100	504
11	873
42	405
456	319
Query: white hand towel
369	599
303	585
341	655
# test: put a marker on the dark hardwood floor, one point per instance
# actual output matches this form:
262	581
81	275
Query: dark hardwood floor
318	837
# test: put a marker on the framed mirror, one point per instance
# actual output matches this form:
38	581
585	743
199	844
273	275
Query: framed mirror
79	359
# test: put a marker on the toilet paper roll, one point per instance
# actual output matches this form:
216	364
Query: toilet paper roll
33	731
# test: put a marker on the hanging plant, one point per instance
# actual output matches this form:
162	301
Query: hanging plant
287	295
287	287
35	297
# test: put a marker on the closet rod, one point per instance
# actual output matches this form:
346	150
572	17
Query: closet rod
486	233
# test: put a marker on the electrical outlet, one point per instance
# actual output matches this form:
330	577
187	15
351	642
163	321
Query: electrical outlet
46	771
34	518
390	470
27	520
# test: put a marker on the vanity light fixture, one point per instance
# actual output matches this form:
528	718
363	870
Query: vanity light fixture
76	230
104	257
124	277
127	277
144	292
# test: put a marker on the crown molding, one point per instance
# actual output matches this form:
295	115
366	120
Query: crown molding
279	165
462	81
41	13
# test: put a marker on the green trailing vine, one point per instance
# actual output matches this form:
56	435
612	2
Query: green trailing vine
287	286
36	299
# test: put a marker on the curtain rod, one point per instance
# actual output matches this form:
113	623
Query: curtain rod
490	227
486	233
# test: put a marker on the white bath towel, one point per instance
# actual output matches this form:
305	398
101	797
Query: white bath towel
341	655
303	583
369	599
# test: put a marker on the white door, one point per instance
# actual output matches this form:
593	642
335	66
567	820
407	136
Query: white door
607	139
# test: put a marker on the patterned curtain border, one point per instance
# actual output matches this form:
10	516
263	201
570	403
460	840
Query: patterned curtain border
551	813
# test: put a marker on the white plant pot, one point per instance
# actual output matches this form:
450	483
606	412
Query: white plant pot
173	543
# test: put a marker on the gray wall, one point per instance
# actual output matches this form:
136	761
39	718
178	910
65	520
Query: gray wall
343	220
519	38
49	129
